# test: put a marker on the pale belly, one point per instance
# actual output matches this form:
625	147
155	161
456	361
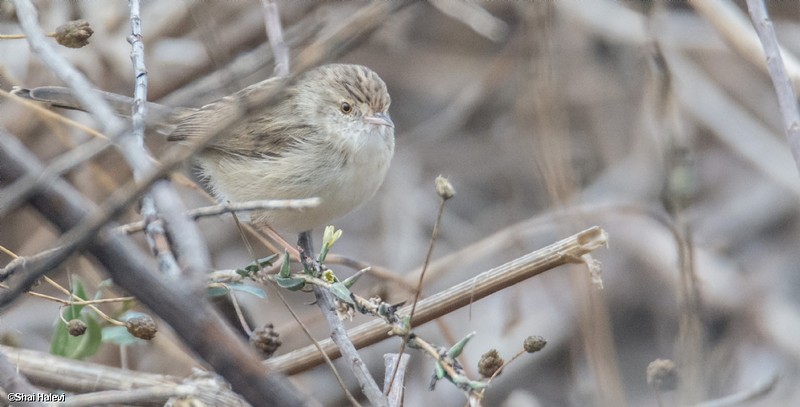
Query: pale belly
341	187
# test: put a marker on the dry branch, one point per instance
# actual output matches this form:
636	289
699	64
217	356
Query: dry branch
787	97
565	251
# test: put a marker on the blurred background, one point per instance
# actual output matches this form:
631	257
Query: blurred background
548	117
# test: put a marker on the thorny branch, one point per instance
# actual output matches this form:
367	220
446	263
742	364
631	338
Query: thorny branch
568	250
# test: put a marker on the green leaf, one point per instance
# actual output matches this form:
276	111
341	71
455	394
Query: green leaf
119	335
456	349
440	372
249	289
77	347
350	281
286	268
341	292
290	283
256	266
218	290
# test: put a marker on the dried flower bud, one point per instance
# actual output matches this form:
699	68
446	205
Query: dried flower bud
266	340
142	327
662	375
489	363
74	34
444	188
76	327
534	344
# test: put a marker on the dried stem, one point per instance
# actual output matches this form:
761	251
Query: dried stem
395	369
11	381
566	251
732	25
280	51
418	290
154	230
787	98
327	304
232	207
328	360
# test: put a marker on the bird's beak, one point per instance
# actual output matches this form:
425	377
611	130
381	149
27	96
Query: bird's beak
382	119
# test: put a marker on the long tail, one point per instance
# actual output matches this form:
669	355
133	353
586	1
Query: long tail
161	117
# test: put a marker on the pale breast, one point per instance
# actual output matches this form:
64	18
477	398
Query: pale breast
342	181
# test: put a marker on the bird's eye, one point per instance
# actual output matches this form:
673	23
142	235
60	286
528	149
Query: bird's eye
346	108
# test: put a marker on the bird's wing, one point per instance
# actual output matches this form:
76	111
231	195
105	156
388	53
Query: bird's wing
256	133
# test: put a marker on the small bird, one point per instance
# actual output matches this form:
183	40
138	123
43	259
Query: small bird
329	136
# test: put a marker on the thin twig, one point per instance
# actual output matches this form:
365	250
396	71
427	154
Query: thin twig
328	305
74	299
474	17
242	66
21	189
156	235
390	363
418	291
272	21
68	302
731	123
324	355
228	207
27	15
732	25
787	98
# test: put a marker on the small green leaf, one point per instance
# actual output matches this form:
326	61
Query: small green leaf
249	289
77	347
118	335
218	290
286	268
440	372
256	266
350	281
290	283
456	349
341	292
